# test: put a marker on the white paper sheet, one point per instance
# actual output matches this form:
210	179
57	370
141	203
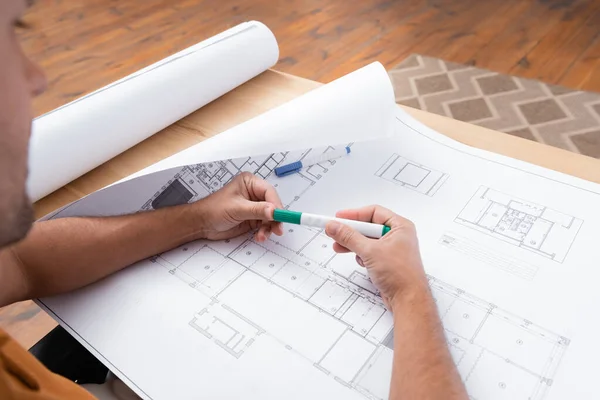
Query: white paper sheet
356	107
510	250
75	138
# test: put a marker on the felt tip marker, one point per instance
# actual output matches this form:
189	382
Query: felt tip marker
368	229
308	161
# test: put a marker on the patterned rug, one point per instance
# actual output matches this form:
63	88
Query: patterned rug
527	108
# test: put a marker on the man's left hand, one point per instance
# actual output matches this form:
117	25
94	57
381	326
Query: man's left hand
244	204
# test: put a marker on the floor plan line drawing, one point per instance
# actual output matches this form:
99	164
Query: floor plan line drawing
411	175
517	373
228	329
522	223
193	182
488	256
322	306
311	276
469	322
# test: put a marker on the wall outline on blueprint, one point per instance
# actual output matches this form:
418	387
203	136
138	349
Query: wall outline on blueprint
522	223
303	264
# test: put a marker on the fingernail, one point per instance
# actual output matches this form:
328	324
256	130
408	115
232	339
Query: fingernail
332	228
278	230
269	210
360	261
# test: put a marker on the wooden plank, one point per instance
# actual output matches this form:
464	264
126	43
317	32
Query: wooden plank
455	23
593	81
403	39
518	38
563	44
84	46
580	73
464	45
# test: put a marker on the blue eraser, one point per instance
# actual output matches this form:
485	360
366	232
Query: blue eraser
288	169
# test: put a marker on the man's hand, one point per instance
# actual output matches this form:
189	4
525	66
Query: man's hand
68	253
423	367
246	203
393	262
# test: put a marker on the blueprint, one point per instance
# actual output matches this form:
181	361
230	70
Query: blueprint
521	223
288	318
411	175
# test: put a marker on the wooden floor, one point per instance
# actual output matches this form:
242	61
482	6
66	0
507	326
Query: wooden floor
84	45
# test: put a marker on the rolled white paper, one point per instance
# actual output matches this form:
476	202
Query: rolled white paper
75	138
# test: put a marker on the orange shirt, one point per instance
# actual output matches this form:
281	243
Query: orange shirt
23	377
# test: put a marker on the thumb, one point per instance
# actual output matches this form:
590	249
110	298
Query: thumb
253	210
346	236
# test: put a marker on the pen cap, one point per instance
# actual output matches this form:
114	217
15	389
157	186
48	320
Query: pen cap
288	169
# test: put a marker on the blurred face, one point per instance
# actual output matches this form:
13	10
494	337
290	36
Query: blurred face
20	80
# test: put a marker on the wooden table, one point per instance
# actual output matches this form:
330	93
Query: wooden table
27	323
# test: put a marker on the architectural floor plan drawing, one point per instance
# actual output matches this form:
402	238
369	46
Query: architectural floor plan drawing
275	288
228	329
499	355
322	306
411	175
294	289
194	182
522	223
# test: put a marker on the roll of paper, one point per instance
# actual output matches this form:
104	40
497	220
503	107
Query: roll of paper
75	138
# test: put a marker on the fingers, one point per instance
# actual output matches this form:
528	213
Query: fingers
249	210
338	248
374	213
263	233
346	237
277	228
266	229
358	214
261	190
359	261
260	214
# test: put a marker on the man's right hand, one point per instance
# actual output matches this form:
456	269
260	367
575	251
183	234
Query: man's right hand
424	368
393	262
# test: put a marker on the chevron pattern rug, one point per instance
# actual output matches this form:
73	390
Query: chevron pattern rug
530	109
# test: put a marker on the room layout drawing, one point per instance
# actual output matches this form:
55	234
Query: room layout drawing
528	225
229	330
411	175
193	182
291	288
498	354
323	306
